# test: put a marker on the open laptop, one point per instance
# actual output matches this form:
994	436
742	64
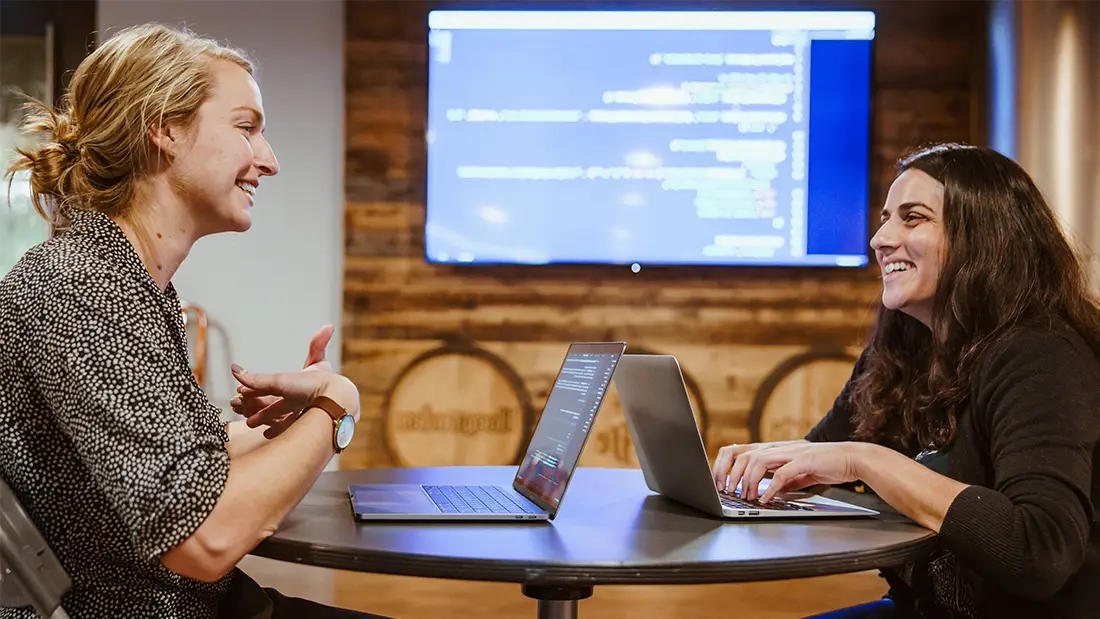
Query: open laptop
555	447
671	452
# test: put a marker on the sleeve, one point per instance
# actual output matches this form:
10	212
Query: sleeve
113	387
1029	532
836	425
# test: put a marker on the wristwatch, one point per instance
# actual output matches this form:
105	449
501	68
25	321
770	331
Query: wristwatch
343	424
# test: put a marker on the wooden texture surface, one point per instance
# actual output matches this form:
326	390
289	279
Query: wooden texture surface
789	401
730	328
456	405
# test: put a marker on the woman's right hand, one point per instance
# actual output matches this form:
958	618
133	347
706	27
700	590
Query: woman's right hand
729	465
276	399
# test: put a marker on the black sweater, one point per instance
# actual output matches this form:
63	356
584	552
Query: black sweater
1024	538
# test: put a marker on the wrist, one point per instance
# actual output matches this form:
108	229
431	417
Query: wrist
319	417
867	459
344	392
343	423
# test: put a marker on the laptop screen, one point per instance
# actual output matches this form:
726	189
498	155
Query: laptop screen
566	420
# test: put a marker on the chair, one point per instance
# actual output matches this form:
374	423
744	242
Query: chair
194	317
30	573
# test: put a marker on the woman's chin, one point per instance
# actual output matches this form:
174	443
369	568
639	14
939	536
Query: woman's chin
241	222
892	301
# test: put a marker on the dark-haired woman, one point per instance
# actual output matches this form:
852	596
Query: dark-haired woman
975	408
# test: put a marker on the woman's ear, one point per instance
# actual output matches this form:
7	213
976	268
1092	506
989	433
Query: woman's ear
166	139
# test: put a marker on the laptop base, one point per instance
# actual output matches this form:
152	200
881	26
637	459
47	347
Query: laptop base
380	502
789	505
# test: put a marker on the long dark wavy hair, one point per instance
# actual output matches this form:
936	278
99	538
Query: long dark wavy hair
1007	265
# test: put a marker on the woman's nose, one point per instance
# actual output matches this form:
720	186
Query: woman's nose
265	159
884	238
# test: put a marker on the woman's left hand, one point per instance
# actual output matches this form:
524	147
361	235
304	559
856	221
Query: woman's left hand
268	409
794	467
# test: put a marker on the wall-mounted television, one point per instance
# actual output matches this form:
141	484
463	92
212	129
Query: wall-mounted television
648	137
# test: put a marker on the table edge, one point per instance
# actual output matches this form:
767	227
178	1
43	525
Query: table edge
525	572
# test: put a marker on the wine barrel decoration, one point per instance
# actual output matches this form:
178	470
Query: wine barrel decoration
609	445
798	393
456	405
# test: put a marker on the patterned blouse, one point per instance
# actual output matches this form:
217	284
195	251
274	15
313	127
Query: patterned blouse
105	436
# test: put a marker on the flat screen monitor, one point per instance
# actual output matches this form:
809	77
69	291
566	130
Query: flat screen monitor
648	137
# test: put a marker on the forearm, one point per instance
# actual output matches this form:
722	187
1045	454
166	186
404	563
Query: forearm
907	485
267	483
243	439
263	486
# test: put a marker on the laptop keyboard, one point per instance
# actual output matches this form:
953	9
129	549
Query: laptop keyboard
477	500
776	504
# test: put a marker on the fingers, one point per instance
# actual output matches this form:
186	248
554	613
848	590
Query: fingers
750	467
317	345
724	461
246	406
754	472
740	464
280	426
287	384
254	382
790	476
272	413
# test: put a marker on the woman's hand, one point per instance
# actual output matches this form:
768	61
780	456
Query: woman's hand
289	393
794	464
728	455
278	402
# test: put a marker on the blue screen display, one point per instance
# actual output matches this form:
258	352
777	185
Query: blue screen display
664	138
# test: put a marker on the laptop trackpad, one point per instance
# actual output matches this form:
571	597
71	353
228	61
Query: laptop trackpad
392	499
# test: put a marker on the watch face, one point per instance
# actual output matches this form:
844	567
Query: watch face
344	431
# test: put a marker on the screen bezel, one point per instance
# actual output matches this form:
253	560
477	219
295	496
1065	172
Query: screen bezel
706	269
601	348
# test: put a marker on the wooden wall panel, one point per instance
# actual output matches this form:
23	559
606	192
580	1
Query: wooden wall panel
730	328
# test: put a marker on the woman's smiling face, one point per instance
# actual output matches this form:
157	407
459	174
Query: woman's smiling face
909	244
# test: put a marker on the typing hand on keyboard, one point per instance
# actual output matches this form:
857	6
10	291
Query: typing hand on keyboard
736	502
794	465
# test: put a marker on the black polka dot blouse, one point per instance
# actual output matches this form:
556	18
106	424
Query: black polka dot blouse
105	436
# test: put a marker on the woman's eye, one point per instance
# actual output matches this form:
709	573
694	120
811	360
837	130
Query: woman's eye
913	217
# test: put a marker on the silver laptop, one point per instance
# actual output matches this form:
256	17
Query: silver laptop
555	447
671	452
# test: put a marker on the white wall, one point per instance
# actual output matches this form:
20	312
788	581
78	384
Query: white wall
268	290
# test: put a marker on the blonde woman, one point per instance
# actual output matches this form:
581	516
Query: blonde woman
147	499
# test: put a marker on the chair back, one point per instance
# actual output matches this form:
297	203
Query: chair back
30	574
195	323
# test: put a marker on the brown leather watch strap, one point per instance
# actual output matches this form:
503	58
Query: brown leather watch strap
328	405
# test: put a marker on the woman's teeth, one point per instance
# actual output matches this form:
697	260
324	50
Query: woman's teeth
898	266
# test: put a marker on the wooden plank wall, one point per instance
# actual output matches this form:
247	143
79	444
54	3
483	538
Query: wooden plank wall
730	328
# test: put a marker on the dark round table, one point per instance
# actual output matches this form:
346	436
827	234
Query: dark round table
611	529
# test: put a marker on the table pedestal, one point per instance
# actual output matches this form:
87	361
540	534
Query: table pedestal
557	602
